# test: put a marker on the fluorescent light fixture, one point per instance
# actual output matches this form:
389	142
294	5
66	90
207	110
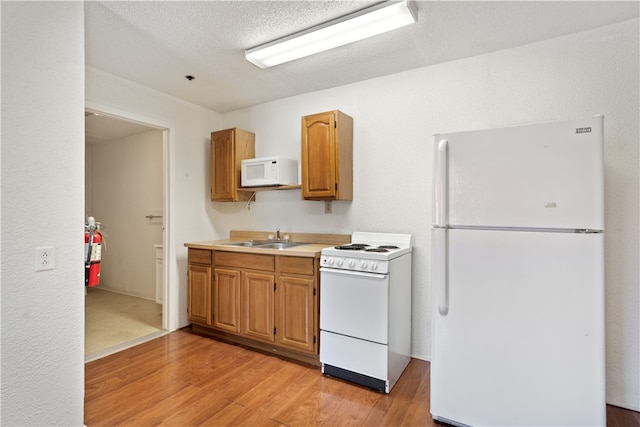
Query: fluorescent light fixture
368	22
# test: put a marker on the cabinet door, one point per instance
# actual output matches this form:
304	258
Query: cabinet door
228	148
318	156
257	305
222	165
199	298
297	306
226	300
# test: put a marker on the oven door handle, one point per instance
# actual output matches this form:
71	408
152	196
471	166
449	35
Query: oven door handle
353	273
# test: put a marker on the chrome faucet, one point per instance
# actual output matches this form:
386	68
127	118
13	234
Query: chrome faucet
277	234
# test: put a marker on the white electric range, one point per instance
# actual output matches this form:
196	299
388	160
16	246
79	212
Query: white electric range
365	309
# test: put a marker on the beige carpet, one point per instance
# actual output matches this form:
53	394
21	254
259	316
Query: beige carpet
114	322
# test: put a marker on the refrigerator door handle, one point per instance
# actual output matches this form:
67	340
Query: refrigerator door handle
439	270
441	184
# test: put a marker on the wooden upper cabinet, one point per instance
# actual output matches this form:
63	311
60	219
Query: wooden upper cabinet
327	156
228	148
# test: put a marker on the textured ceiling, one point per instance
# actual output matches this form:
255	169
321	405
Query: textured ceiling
157	43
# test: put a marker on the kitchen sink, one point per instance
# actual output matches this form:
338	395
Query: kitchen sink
264	244
248	243
278	245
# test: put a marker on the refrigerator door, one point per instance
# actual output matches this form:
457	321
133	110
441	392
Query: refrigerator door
545	175
522	339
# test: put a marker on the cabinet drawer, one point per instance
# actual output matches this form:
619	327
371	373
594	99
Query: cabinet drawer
296	265
248	261
200	256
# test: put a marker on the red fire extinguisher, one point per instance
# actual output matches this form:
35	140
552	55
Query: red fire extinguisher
92	252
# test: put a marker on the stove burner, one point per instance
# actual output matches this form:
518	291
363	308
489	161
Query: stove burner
379	249
352	247
388	247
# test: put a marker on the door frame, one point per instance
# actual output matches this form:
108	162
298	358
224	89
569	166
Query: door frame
169	304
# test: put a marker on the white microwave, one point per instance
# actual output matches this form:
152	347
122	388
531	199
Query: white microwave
269	171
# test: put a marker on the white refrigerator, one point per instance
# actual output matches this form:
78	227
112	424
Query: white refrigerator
518	276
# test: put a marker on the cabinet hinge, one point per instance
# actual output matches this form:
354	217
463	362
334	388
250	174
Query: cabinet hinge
335	124
336	186
314	292
314	339
274	286
274	330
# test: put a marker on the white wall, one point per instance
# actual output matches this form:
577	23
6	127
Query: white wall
187	177
42	313
42	205
126	185
394	118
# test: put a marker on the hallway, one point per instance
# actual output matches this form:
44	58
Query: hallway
114	322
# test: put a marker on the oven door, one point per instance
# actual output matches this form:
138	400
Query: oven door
354	304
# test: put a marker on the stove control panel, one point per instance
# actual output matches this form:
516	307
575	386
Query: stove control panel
354	264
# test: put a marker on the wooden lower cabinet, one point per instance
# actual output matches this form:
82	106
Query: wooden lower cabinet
297	306
257	307
266	301
298	303
199	287
226	300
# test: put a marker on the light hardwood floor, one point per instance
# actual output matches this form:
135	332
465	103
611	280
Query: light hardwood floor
182	379
114	322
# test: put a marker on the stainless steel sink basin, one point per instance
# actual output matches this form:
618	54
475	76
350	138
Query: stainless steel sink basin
264	244
280	245
248	243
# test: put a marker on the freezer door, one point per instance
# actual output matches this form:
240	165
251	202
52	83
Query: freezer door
522	339
546	175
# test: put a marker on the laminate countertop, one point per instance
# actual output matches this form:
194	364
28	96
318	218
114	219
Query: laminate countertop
301	250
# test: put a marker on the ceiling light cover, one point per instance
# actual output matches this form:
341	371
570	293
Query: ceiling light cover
366	23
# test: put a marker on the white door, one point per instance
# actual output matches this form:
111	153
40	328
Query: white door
521	340
546	175
355	304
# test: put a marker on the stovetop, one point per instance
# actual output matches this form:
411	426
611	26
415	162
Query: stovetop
379	246
367	252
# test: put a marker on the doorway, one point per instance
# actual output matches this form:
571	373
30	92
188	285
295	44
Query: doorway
125	192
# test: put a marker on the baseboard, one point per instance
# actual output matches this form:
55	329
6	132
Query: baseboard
152	299
117	348
614	402
271	349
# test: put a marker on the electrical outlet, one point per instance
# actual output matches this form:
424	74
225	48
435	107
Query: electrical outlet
328	208
45	258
